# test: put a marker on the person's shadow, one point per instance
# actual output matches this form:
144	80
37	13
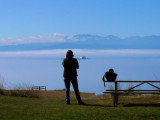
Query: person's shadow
127	105
96	105
124	105
142	105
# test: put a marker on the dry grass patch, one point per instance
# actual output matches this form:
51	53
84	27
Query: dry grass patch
60	94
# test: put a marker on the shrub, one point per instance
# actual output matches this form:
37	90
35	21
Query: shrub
1	85
24	93
2	92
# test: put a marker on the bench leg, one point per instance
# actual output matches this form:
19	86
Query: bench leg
115	100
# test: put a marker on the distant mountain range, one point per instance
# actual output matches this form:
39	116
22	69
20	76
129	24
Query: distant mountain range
86	41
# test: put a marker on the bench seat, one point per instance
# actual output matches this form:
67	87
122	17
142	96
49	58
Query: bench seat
117	92
133	90
39	88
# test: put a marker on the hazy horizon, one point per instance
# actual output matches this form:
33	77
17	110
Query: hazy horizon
45	67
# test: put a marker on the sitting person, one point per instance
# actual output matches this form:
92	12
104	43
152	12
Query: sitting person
110	75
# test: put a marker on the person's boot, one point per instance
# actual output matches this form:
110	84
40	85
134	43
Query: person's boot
81	103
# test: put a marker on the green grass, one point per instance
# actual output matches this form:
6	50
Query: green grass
130	108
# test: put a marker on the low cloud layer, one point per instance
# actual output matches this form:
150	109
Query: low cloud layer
56	37
79	52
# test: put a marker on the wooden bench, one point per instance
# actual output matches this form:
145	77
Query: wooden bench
131	90
39	88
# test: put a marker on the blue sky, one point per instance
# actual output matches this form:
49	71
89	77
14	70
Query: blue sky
24	18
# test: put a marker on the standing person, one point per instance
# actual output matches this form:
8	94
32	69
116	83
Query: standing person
71	65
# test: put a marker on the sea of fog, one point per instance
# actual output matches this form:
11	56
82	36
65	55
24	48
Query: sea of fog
26	68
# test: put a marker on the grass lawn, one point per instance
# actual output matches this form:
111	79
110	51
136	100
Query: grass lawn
98	108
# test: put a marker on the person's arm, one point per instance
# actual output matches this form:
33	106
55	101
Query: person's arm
63	63
104	76
77	64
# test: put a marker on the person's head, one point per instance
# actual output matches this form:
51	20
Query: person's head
69	54
111	70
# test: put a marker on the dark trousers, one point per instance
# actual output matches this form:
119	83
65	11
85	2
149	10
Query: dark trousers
74	82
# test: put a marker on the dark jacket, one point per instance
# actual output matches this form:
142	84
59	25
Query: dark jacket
70	65
109	76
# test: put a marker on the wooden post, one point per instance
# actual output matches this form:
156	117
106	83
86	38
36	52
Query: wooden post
115	101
